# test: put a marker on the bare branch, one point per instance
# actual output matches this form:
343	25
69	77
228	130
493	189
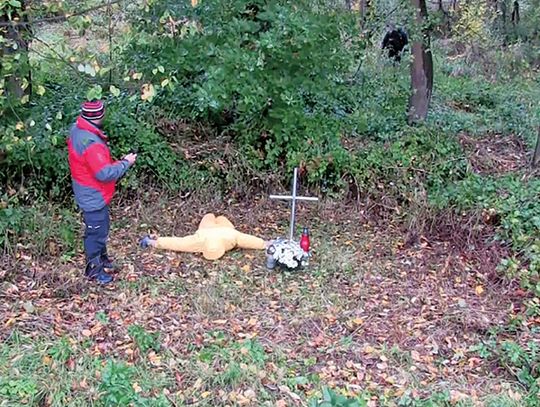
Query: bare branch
58	56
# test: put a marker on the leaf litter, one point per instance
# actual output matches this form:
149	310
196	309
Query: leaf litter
370	313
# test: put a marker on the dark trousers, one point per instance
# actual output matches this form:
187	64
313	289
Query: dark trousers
96	234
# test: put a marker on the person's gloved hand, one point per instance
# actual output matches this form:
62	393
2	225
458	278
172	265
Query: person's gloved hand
130	158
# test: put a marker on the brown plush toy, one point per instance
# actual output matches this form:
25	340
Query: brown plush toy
214	237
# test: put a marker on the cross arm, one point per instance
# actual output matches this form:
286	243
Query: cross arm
298	198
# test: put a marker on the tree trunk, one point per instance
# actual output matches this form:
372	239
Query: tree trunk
363	7
536	156
16	34
515	13
421	68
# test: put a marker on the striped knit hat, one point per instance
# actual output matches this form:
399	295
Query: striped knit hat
93	110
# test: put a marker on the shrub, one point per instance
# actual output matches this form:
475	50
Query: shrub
275	74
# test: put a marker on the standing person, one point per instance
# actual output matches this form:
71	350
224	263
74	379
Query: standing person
395	41
94	175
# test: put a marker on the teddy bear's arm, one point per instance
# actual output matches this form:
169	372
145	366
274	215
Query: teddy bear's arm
191	244
246	241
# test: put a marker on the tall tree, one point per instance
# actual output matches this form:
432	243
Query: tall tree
421	68
14	50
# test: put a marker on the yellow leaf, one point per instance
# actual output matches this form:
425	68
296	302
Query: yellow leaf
148	92
40	90
46	360
220	321
479	289
19	126
246	268
194	3
154	359
205	394
369	349
10	322
358	321
136	387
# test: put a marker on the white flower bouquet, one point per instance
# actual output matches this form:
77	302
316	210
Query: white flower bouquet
287	254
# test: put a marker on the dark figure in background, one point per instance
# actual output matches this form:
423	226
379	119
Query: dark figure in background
395	41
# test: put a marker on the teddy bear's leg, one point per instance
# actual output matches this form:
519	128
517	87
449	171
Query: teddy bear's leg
190	244
213	250
224	222
208	221
246	241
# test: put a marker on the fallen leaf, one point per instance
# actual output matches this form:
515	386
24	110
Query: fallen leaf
154	359
87	332
479	289
246	268
415	356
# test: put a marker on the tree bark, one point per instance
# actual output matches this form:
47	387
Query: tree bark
536	155
421	69
16	34
515	13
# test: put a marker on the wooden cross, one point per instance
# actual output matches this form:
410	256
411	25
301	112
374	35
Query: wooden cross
293	198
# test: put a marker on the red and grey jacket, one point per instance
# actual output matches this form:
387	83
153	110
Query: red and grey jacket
93	172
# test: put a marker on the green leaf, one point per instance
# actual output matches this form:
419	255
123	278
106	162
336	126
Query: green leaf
94	93
114	91
89	69
15	3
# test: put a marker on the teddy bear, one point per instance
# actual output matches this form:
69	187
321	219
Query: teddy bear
214	237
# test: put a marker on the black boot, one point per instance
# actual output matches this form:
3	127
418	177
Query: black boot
96	271
107	262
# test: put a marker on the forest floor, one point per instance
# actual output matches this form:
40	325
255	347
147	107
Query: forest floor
371	315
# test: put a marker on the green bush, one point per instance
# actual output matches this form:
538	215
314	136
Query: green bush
41	229
274	74
513	201
520	361
420	160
